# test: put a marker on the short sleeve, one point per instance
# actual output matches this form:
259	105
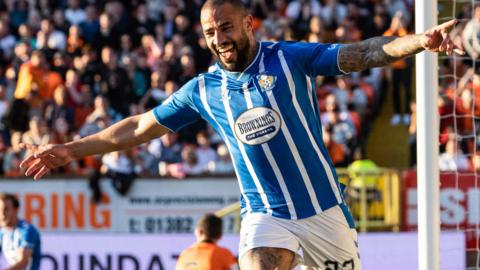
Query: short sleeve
178	110
29	236
317	58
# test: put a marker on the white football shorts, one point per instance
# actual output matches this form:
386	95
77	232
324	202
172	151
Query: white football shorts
323	241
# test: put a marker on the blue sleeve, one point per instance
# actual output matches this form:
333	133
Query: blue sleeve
28	237
316	58
178	110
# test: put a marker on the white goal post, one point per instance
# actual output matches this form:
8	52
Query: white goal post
427	143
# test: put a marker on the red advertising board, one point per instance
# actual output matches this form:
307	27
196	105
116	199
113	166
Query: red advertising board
459	203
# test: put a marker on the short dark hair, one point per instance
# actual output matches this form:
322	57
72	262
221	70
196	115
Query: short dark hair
211	226
238	4
10	197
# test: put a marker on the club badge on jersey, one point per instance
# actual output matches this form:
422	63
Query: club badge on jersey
266	82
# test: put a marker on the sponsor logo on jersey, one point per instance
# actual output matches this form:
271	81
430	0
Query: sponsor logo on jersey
266	82
257	125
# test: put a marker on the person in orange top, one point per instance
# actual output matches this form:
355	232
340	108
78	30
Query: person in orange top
32	72
205	254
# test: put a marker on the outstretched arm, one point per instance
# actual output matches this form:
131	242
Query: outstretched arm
380	51
129	132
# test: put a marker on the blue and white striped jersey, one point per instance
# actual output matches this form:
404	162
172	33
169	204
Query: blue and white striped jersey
24	235
270	121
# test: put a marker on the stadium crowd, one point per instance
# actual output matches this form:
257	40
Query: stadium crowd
69	68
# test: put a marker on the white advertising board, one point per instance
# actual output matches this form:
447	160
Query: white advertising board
151	206
93	251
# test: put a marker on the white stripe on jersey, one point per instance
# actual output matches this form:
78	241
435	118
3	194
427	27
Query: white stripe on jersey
248	163
310	91
325	164
271	159
296	155
203	98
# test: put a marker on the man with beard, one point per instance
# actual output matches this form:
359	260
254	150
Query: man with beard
258	97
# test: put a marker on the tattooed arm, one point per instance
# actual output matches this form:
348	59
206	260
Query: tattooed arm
380	51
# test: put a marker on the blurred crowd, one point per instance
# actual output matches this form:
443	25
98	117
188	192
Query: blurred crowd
69	68
459	97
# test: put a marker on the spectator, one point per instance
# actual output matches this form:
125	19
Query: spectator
205	153
115	85
164	151
453	158
333	13
223	164
74	41
190	163
38	132
142	23
120	168
337	152
59	108
19	240
205	253
74	14
26	35
156	94
91	25
21	54
19	13
49	38
101	117
13	156
60	22
401	76
7	40
107	35
471	35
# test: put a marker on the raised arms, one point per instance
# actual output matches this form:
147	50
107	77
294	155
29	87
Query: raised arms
380	51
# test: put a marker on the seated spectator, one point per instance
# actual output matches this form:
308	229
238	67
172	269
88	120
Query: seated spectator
59	107
38	132
13	157
74	13
164	150
21	54
223	164
101	117
120	168
156	94
205	153
336	151
453	158
74	41
90	26
7	40
50	38
190	164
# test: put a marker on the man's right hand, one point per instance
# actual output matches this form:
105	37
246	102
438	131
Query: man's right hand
44	158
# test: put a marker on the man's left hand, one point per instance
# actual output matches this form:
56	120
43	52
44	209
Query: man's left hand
436	39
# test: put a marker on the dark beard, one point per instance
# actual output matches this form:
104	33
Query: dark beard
242	51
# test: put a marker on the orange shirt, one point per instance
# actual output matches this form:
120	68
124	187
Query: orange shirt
27	75
205	256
